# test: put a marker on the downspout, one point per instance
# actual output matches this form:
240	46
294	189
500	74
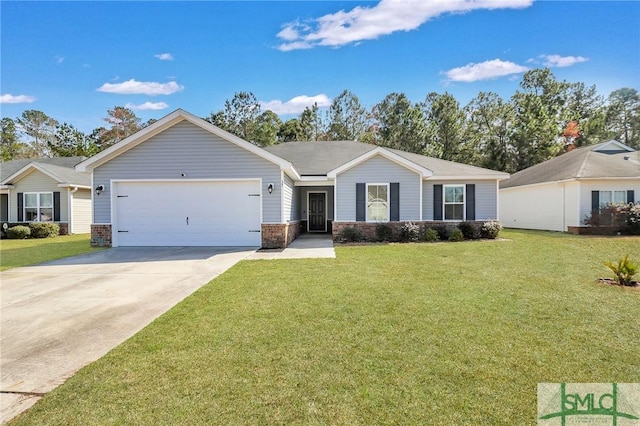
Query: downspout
70	210
564	202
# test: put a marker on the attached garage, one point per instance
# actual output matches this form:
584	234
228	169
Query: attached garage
186	213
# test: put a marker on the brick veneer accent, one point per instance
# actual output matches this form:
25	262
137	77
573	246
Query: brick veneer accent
280	235
593	230
101	235
64	228
369	228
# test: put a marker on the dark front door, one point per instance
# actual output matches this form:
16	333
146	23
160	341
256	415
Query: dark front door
317	215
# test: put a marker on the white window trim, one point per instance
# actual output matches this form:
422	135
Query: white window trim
464	202
366	200
38	207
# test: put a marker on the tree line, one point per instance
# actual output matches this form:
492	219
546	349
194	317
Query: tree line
545	117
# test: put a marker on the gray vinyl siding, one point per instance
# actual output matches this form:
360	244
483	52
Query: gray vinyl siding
378	169
81	211
186	148
486	198
36	181
304	198
291	200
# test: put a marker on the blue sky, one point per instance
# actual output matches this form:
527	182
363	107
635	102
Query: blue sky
75	60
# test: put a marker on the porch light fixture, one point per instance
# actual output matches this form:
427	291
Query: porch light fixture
99	189
270	188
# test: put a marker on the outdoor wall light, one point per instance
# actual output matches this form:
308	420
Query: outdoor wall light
270	188
99	189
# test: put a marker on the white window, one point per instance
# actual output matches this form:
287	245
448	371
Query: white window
38	206
378	202
453	202
612	197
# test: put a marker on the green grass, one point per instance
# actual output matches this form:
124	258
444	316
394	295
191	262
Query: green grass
447	333
15	253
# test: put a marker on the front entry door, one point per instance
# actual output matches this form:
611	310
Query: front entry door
317	214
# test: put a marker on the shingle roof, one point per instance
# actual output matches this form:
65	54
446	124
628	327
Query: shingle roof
61	167
589	162
320	157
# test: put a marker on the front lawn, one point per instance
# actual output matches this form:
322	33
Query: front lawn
15	253
447	333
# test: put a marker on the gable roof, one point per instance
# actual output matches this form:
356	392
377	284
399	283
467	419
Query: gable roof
610	159
170	120
60	169
320	158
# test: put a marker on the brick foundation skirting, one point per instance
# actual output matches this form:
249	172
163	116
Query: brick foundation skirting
368	229
280	235
64	228
593	230
101	235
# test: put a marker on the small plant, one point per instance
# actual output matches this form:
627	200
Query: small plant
624	270
456	235
410	232
469	230
384	232
19	232
44	229
431	235
443	232
351	234
490	229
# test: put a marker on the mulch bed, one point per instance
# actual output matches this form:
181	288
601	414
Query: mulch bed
611	281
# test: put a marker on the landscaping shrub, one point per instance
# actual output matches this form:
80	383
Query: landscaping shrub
351	235
469	230
384	232
18	232
456	235
624	270
490	229
443	232
44	229
623	218
410	232
431	235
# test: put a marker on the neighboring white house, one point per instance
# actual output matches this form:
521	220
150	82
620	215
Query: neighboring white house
46	190
563	191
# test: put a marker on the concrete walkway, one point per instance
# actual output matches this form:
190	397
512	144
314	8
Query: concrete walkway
59	316
306	246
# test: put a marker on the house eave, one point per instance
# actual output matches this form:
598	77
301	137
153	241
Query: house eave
170	120
422	171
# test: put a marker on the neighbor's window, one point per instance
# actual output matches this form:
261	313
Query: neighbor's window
615	197
38	206
378	202
454	202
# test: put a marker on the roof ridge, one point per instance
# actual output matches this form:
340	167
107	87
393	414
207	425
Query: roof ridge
584	164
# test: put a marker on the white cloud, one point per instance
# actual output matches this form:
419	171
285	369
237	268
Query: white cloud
153	106
484	71
367	23
19	99
59	59
562	61
296	105
164	56
133	87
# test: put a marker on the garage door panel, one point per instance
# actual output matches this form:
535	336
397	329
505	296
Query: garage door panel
220	213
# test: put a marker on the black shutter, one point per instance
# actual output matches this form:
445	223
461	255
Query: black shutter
471	201
361	202
630	196
56	206
394	202
20	206
595	201
437	202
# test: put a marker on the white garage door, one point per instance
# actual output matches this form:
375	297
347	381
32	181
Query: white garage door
187	213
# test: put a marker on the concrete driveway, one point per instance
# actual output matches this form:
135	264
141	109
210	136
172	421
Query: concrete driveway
60	316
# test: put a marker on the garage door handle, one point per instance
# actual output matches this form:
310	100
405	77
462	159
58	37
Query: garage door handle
187	220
